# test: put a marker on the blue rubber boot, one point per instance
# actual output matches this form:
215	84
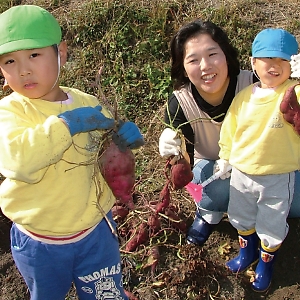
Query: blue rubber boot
199	232
248	252
264	270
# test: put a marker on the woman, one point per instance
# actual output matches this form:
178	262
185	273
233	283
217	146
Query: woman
206	74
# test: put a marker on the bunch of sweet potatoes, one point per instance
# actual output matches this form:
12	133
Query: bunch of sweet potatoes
178	174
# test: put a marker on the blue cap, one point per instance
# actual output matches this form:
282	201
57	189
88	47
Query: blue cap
274	42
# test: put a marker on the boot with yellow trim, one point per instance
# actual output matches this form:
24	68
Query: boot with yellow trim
248	254
264	269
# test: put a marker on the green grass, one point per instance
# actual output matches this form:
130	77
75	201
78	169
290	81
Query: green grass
131	40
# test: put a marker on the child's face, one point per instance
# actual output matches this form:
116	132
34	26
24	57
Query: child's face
33	73
272	71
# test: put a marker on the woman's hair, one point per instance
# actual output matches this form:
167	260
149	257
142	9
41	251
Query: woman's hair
190	30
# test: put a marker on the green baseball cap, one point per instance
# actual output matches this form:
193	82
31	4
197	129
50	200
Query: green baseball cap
26	27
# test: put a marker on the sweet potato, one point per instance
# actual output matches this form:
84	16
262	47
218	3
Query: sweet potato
119	212
152	260
175	220
118	170
181	174
139	236
153	223
130	295
164	198
290	108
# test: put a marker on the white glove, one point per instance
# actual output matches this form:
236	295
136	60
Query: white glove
295	65
169	143
223	166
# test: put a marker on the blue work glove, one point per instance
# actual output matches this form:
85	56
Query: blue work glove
85	119
128	135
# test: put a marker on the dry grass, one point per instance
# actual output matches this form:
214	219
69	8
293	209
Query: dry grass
183	271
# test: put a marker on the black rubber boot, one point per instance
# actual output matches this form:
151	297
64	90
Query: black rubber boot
199	231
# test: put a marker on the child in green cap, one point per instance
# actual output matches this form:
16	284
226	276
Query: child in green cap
263	148
58	234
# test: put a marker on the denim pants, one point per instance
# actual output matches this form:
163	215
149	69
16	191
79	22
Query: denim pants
93	264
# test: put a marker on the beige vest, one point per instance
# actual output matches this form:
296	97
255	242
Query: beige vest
206	131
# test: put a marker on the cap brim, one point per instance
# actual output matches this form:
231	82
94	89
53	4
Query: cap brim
279	54
24	45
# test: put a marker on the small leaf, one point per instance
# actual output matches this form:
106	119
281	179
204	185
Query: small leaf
224	249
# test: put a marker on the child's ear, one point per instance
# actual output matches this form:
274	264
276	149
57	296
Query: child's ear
252	61
5	86
63	52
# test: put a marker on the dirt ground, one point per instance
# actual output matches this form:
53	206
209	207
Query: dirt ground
183	271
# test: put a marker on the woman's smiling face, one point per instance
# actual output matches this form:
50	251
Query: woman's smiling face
205	65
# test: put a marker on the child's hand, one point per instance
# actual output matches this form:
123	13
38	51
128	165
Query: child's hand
295	65
223	166
128	135
85	119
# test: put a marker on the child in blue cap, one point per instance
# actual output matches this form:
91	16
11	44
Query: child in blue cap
58	236
263	149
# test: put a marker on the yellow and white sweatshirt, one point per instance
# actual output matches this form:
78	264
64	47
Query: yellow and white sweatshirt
254	136
50	184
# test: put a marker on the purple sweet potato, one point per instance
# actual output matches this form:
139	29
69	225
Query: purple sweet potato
130	295
175	220
154	223
164	198
119	212
118	170
181	174
290	108
138	237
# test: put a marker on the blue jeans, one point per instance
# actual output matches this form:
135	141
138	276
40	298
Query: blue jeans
93	264
215	196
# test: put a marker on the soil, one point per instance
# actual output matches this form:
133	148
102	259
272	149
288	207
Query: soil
183	271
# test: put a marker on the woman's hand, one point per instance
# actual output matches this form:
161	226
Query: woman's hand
169	143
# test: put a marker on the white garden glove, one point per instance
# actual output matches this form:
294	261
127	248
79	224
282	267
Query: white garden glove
169	143
295	65
223	166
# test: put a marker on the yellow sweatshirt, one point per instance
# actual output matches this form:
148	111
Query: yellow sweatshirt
49	187
254	136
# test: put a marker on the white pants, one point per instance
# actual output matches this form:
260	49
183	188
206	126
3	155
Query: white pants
261	202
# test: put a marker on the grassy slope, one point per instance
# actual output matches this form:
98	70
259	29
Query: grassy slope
131	40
